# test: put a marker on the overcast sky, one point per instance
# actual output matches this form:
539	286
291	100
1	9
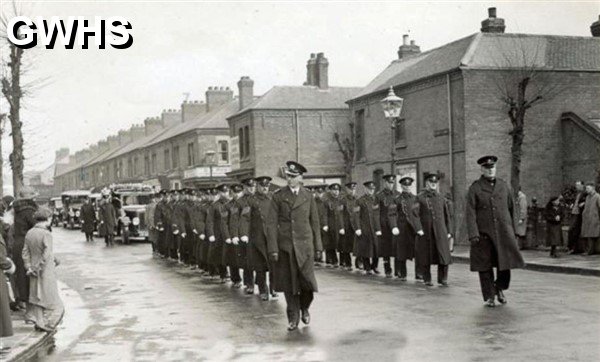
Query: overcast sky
185	47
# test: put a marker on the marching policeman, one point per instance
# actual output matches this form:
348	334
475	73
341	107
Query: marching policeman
335	224
405	246
491	232
293	238
199	212
231	249
433	224
217	229
388	213
212	196
351	212
320	200
370	225
244	203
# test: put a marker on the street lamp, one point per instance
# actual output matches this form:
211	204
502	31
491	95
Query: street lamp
392	106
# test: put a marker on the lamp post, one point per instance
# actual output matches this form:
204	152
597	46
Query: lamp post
392	107
210	155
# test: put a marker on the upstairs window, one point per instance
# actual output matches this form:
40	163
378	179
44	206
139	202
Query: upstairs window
223	150
359	134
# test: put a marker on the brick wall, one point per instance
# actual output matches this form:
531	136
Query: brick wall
581	153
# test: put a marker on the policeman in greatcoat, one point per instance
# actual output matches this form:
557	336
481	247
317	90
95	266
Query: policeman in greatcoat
231	255
490	218
108	218
244	203
320	199
212	195
405	243
335	224
88	219
261	207
178	226
434	225
370	225
161	222
217	229
388	212
293	238
352	230
199	226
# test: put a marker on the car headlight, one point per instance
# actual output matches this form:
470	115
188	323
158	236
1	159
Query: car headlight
77	213
136	221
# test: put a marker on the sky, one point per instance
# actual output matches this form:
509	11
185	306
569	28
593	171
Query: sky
186	46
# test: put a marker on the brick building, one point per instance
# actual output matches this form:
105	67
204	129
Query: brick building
453	112
292	123
185	147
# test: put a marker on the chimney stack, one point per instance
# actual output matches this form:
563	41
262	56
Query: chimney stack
322	71
137	131
113	142
103	146
61	153
191	110
152	125
170	117
311	70
492	24
246	91
124	137
216	97
595	28
407	49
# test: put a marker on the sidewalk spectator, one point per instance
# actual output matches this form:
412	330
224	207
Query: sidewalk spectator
574	243
553	214
39	261
590	223
521	220
7	267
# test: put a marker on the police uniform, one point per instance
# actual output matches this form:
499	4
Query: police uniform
388	212
370	225
231	249
217	230
335	223
322	210
405	246
351	214
244	203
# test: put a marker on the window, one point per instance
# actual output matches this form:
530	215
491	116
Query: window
153	164
223	150
400	133
167	159
359	132
241	140
146	164
191	154
176	157
247	141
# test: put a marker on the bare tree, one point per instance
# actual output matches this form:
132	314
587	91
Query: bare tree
346	147
2	117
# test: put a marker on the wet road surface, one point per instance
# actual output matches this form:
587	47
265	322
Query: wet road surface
124	305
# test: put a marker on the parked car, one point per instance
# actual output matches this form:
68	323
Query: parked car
56	206
130	201
72	201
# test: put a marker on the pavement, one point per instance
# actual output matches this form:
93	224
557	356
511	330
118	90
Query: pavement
123	304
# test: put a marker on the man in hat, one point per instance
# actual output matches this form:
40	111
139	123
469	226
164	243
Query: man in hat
320	200
433	224
212	195
198	226
405	245
352	230
388	212
161	222
231	255
293	238
178	226
370	225
88	219
335	225
108	218
261	209
217	229
149	221
490	218
245	205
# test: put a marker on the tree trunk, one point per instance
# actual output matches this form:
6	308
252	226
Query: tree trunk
2	115
516	153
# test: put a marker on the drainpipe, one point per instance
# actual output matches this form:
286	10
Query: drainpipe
297	135
450	132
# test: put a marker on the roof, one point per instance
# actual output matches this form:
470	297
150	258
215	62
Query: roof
492	51
303	97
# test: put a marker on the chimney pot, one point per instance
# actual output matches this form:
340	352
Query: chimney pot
595	28
405	39
492	24
412	42
492	13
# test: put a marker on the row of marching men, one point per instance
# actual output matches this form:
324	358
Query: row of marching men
387	224
221	231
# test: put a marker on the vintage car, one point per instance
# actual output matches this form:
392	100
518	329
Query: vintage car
56	206
130	201
72	202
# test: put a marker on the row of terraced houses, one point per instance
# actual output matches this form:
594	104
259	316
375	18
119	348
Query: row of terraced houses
452	114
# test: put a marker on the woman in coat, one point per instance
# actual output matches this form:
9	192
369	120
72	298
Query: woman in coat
590	222
39	261
24	208
7	267
553	214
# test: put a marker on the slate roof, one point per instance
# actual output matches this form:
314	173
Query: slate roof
303	97
492	51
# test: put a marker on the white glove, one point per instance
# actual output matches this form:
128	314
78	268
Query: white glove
175	232
449	236
183	235
211	239
244	239
325	228
228	241
195	231
12	268
161	229
235	240
420	233
395	231
342	232
202	236
358	232
378	233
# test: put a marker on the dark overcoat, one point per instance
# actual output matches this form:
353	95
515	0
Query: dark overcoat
244	203
405	245
590	221
260	214
490	213
293	232
218	226
108	218
351	215
335	221
231	251
198	224
553	226
24	210
369	223
6	329
433	217
88	218
208	219
388	214
322	210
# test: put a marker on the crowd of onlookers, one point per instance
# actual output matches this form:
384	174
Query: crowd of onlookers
577	210
27	262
